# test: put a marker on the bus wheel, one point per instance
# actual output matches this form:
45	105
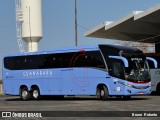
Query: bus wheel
36	93
103	93
25	94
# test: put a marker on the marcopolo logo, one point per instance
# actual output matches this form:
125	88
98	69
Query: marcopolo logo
136	59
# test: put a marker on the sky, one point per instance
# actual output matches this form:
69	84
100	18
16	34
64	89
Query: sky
58	21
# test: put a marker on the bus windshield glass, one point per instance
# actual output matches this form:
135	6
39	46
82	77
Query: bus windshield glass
138	70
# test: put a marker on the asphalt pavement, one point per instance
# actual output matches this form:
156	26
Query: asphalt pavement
84	105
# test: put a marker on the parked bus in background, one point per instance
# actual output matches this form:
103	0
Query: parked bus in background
102	70
155	71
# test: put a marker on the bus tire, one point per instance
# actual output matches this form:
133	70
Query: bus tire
98	93
36	93
24	94
104	93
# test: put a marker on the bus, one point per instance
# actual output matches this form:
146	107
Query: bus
155	71
101	70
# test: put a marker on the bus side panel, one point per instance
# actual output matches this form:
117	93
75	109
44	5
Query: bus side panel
55	86
82	81
17	84
85	85
29	78
54	83
79	81
96	77
117	86
68	84
7	86
48	81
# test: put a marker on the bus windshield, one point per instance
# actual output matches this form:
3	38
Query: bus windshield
138	70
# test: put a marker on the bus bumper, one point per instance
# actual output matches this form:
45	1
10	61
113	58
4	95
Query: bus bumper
133	91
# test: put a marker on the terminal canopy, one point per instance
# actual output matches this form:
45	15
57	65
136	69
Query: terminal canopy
139	26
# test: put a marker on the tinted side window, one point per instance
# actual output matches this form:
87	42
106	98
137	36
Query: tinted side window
117	68
37	61
58	60
89	59
9	63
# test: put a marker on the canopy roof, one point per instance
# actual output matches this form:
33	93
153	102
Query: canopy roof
139	26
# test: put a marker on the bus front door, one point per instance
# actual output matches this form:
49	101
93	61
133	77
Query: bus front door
117	73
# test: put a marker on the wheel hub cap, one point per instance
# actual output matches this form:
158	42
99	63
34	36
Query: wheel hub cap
102	93
24	94
35	94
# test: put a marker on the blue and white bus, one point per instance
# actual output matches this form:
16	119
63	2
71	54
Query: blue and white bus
102	71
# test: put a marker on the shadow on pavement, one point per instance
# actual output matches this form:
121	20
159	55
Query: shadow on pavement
77	98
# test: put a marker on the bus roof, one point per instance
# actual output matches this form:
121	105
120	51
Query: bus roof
79	48
125	49
59	50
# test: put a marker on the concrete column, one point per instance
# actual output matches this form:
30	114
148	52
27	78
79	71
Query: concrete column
32	46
